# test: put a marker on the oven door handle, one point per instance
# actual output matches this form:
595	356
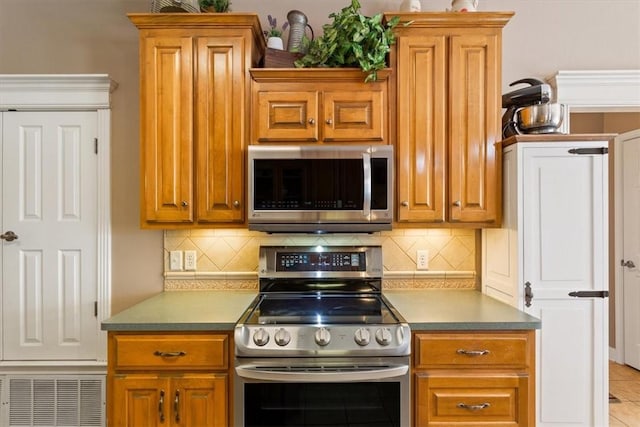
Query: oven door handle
326	375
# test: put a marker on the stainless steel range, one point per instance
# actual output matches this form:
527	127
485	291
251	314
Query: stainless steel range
321	344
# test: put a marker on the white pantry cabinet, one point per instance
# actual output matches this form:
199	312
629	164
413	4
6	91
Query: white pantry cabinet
549	259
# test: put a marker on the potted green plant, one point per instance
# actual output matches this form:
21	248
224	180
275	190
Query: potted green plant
352	40
274	34
219	6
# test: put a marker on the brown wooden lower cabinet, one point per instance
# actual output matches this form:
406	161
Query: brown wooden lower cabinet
168	379
188	400
474	378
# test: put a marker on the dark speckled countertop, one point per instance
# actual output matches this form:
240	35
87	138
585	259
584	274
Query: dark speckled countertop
219	310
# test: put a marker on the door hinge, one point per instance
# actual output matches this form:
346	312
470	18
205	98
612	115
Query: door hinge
589	294
95	308
95	145
599	150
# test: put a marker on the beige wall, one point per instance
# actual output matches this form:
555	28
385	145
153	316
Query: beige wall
94	36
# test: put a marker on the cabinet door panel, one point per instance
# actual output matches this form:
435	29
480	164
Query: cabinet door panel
354	116
564	235
422	105
219	129
139	400
167	129
286	116
474	127
200	400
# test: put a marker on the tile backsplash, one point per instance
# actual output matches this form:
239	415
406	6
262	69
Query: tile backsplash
228	258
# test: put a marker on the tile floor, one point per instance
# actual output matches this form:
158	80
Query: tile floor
624	384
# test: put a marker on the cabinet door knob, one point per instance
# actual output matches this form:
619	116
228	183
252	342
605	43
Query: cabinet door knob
329	121
404	203
236	203
312	121
457	203
184	203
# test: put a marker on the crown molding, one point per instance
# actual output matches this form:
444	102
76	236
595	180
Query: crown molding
55	92
598	90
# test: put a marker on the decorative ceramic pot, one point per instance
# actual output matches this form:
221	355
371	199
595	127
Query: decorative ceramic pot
275	43
410	6
464	5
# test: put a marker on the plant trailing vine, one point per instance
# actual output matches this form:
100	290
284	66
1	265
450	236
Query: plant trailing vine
352	40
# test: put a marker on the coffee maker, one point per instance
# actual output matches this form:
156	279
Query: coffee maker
538	92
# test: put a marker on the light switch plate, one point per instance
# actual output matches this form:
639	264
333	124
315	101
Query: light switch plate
175	260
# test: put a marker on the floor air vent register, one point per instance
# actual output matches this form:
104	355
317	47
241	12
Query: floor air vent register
52	401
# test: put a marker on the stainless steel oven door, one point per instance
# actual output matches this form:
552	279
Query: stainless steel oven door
322	391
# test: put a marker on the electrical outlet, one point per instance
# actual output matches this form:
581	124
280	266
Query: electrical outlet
190	260
422	259
175	260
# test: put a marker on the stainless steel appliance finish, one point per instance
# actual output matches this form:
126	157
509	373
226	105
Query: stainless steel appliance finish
328	188
528	109
540	118
321	328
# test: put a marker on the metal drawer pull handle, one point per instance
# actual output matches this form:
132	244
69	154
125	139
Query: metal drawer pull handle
161	406
176	406
474	407
473	352
169	353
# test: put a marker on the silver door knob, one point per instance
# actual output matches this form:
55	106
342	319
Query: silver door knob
184	203
457	203
329	121
404	203
627	263
236	204
312	121
9	236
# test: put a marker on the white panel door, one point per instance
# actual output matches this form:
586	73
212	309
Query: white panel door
49	201
564	214
630	262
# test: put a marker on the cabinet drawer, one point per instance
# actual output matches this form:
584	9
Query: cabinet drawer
472	400
171	352
511	350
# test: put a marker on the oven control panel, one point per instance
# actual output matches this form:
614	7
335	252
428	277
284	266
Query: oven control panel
320	261
328	340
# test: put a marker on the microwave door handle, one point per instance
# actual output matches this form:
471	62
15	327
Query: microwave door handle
366	169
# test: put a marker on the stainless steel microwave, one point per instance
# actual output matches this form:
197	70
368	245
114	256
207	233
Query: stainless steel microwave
320	189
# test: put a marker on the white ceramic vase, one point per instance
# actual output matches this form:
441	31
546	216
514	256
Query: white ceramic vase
275	43
464	5
411	6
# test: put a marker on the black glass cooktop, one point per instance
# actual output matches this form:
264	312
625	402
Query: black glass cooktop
321	309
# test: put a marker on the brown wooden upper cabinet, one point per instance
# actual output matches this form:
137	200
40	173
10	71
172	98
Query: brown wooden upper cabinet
194	91
448	95
319	105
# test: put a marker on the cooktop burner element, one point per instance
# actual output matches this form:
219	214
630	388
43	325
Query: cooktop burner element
321	301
